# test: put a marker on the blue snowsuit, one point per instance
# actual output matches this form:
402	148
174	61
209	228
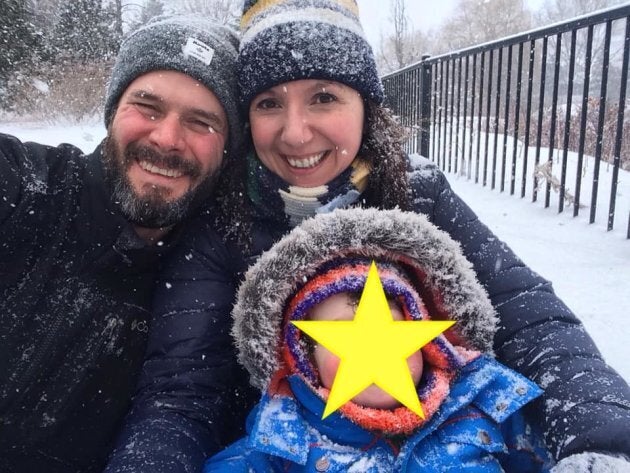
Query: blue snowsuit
287	434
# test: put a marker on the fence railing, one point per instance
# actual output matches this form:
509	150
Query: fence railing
553	98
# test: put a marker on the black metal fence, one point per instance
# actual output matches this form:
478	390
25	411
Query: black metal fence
536	112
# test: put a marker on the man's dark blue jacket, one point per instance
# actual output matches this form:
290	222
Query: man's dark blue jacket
75	290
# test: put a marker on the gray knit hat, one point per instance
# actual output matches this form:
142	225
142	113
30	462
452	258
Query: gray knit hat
304	39
200	48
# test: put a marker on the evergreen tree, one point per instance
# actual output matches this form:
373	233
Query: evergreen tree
85	31
150	9
17	39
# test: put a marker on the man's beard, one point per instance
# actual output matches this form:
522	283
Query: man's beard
152	209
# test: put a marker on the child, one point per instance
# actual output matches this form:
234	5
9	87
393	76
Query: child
317	272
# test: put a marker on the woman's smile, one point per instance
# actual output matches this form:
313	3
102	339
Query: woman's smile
306	162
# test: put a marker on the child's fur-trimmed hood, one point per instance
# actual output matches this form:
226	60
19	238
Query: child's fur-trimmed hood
406	238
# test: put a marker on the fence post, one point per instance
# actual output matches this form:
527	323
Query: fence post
425	106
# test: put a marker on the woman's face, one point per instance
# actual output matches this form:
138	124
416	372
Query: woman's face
307	131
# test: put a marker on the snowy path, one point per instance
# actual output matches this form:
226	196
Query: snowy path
589	267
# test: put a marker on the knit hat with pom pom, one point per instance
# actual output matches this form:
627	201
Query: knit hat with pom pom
304	39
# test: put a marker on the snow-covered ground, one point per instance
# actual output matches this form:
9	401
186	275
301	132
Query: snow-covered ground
590	267
86	136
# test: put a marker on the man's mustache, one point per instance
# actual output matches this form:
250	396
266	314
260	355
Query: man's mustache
136	152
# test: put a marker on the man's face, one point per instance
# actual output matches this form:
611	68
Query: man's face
164	147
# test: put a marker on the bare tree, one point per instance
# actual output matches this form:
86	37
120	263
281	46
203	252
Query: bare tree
404	46
226	12
414	46
479	21
401	26
553	11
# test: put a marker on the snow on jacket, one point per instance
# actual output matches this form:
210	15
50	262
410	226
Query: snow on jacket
75	288
184	395
483	394
287	434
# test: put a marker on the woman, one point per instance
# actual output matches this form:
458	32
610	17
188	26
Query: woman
321	140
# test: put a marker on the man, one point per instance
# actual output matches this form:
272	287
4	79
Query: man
81	238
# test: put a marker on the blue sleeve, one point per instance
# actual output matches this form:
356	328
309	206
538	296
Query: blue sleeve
586	404
240	457
237	458
192	396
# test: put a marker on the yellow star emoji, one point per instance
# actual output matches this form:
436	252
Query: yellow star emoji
373	348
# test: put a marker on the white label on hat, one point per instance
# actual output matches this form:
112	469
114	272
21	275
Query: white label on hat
199	50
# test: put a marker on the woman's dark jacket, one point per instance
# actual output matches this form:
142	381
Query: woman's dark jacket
185	408
75	289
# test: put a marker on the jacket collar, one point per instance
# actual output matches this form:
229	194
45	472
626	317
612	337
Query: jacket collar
111	230
283	424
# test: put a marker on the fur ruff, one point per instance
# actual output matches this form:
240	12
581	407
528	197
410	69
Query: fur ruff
402	237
